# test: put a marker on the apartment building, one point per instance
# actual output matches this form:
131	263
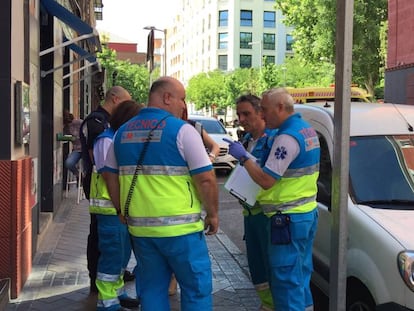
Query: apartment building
225	35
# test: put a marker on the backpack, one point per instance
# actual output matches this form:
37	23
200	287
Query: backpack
87	162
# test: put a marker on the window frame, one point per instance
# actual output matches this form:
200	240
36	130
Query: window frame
223	22
223	40
269	45
247	64
246	18
269	23
244	42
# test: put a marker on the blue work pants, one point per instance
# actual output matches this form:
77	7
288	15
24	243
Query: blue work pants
291	264
115	251
187	257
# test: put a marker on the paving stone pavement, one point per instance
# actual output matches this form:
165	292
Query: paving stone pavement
59	278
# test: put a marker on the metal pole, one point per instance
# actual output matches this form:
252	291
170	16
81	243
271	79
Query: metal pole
165	52
260	54
340	172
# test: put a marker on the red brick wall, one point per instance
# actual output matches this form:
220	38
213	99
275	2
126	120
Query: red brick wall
15	223
400	33
123	47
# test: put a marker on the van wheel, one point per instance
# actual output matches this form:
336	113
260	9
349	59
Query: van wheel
358	298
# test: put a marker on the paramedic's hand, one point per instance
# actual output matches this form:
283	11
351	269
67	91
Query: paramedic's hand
122	219
211	225
236	149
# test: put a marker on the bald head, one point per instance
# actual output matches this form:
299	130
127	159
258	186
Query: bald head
277	105
114	96
168	94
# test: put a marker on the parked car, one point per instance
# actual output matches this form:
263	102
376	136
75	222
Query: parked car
217	131
380	244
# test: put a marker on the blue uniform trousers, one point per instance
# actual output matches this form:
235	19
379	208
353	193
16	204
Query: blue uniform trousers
187	257
255	234
291	264
115	251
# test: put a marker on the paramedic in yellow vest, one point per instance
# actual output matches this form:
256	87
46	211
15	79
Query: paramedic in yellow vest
288	198
114	242
164	213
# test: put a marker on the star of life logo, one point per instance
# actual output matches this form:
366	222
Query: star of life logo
281	153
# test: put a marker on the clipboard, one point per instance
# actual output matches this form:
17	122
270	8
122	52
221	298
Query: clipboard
242	186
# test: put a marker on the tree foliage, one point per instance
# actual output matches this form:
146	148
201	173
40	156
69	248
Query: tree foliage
134	78
207	89
314	23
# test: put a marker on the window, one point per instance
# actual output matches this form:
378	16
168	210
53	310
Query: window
222	62
245	61
269	60
223	40
223	18
245	39
269	19
246	18
269	41
289	42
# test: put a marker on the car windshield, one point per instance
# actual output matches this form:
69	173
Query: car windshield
212	126
381	171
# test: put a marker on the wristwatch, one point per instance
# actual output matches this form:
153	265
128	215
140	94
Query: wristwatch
243	159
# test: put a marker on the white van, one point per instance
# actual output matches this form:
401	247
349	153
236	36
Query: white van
380	249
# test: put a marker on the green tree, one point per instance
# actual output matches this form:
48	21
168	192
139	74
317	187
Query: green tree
132	77
314	23
207	89
241	81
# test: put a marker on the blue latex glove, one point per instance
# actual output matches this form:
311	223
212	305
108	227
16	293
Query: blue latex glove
236	149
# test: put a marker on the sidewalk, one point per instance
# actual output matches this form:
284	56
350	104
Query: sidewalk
59	278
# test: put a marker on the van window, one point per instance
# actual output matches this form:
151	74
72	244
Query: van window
381	171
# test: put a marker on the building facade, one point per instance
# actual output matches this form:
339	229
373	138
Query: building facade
223	34
48	61
399	73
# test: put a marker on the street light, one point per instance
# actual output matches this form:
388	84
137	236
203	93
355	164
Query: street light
164	31
284	75
260	51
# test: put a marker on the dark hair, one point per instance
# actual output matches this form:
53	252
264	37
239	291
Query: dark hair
123	112
252	99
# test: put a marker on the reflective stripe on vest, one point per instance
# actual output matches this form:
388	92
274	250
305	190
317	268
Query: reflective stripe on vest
99	199
299	172
107	277
283	207
163	221
164	193
154	170
101	203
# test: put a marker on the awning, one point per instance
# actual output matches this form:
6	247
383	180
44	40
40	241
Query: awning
84	30
82	53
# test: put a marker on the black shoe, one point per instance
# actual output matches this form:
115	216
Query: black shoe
128	276
128	302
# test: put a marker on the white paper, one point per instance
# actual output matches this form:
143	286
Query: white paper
242	186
